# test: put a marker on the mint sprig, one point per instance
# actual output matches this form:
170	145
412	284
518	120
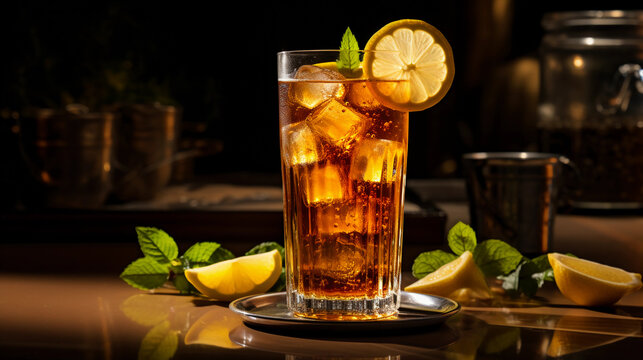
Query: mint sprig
430	261
157	244
205	253
461	238
349	57
145	274
161	262
496	258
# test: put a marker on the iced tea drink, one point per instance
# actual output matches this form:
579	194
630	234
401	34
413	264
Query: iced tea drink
343	158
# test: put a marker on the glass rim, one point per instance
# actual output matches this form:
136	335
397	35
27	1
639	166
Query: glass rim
328	51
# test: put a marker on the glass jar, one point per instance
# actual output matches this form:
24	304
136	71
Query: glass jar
591	105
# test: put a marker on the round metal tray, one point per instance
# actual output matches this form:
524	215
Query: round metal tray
416	310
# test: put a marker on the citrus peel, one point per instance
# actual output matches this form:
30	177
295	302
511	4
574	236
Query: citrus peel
589	283
235	278
414	62
460	279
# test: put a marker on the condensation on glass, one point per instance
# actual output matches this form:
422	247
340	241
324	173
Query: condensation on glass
343	166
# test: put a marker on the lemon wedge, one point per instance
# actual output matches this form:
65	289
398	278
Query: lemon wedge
460	280
235	278
417	56
589	283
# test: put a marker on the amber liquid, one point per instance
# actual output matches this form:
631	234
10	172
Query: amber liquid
343	200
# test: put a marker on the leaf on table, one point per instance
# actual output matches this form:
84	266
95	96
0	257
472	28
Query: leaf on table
428	262
205	253
518	282
495	257
539	269
157	244
182	284
461	238
528	276
221	254
145	274
201	252
265	247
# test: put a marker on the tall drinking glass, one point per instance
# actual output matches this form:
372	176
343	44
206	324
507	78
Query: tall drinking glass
343	157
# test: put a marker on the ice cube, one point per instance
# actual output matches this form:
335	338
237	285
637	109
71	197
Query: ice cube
321	184
342	257
336	122
378	160
360	95
316	85
334	219
300	146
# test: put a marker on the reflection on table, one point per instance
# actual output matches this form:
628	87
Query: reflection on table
102	317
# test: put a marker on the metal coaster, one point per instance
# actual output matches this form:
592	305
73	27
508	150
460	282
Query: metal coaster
416	310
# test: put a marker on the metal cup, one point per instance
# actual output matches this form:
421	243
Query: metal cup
67	157
145	150
513	197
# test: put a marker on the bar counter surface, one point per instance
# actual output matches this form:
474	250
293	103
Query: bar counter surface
64	300
96	317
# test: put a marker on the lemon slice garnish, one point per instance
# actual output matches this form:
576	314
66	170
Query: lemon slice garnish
460	279
590	283
416	61
235	278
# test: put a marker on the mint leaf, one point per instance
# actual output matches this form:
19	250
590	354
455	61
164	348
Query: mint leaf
495	257
540	263
205	253
461	238
521	281
182	284
511	281
266	247
200	252
221	254
348	62
529	276
428	262
157	244
145	274
539	269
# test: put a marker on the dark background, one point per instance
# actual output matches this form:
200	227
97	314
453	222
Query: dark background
217	62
